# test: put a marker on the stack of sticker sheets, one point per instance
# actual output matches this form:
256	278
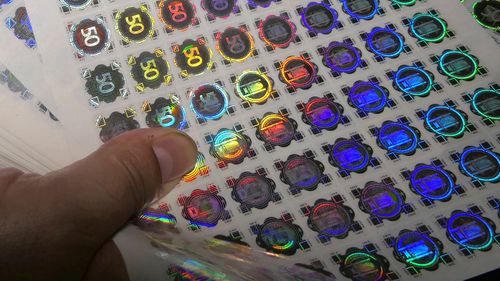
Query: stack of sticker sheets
31	134
355	139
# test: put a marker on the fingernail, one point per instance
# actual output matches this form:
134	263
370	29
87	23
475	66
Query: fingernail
176	153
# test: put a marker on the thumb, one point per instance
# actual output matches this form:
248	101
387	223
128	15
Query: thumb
115	182
70	213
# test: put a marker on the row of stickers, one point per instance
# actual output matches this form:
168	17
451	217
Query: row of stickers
179	14
193	57
416	248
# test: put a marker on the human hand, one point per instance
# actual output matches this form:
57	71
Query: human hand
59	226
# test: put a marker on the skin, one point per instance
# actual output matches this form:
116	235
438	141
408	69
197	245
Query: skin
59	226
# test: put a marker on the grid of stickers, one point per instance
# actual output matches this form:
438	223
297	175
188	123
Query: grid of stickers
329	218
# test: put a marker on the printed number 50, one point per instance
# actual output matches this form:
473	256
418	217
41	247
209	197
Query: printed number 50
220	5
150	69
178	12
105	82
91	36
135	24
193	58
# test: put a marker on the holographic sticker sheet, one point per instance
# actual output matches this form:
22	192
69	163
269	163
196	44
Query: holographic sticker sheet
20	113
12	84
19	50
355	137
486	14
26	97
